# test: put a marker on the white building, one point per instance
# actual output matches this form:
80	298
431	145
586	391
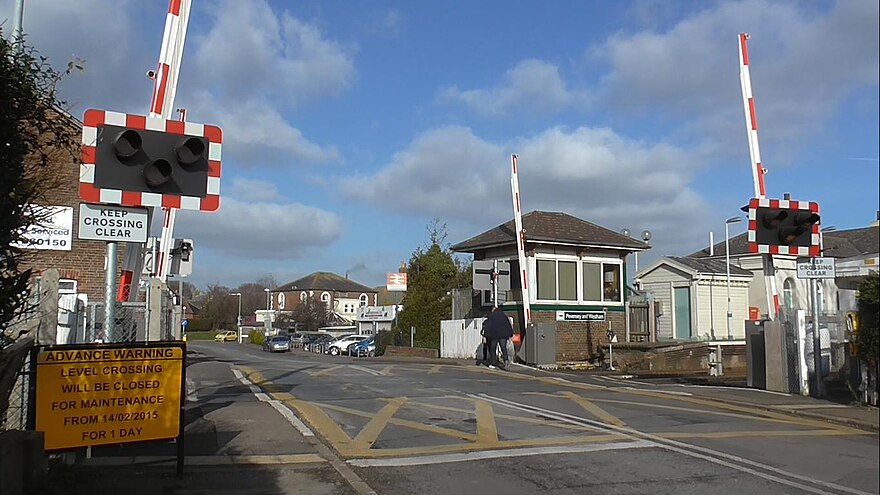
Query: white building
691	295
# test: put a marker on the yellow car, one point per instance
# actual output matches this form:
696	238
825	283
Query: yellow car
226	336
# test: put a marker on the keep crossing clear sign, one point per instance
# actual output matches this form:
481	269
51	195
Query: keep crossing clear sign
815	268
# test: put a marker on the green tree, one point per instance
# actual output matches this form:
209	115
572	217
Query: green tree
35	136
868	336
308	315
432	273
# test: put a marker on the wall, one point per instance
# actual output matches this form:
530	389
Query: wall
712	296
581	341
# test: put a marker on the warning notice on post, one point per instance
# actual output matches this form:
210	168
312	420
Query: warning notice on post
107	395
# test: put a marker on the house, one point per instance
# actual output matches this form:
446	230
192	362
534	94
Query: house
576	274
340	294
691	297
853	247
855	251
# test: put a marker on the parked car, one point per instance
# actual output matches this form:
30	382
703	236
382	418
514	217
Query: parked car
226	336
278	343
366	347
340	345
318	344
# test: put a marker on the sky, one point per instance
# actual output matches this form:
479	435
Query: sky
348	127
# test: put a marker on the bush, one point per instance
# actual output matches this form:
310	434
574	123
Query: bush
257	337
868	335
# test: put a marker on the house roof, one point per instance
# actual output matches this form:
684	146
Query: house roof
551	226
696	266
837	243
324	281
709	265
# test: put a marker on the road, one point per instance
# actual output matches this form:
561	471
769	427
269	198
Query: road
400	427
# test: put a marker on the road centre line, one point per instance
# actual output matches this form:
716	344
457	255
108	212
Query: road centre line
713	456
690	410
494	454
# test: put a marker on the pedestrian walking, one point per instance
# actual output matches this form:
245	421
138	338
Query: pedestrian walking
499	330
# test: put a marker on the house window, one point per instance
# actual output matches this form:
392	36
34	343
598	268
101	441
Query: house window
567	280
303	296
325	298
592	281
281	300
363	300
611	282
788	292
571	281
546	279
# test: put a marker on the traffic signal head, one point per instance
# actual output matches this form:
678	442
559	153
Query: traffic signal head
784	227
150	161
140	161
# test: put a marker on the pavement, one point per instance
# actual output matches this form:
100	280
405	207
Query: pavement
232	444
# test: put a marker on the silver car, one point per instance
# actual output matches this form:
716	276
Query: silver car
278	343
340	345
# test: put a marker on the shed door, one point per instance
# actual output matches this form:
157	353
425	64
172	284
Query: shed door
682	313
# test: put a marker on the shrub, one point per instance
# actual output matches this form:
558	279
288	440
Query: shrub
257	337
868	335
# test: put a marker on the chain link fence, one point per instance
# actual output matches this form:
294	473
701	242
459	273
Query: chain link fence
53	318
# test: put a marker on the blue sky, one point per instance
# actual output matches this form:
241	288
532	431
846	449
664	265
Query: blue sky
349	126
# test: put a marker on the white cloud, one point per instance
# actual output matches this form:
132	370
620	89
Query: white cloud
261	230
532	86
594	174
252	190
250	50
255	134
804	61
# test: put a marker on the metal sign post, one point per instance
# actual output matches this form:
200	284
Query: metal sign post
815	269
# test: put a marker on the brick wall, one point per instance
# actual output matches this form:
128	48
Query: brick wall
85	261
577	340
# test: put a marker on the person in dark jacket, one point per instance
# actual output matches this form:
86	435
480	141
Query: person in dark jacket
498	331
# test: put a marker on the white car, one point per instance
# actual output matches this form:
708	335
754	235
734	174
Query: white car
340	345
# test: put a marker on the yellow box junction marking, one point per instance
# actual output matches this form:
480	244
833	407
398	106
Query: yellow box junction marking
593	409
108	395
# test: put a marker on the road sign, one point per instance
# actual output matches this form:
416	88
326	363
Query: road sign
133	160
395	282
483	270
112	223
580	316
99	394
184	323
53	230
815	268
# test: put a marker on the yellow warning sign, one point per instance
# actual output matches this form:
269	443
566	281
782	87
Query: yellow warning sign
107	394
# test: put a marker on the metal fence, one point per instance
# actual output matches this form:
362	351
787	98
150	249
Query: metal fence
53	318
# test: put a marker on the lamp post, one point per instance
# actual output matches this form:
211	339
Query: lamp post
727	256
268	321
238	321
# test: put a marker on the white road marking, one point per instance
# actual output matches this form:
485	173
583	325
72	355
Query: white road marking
713	456
191	394
366	370
496	454
277	405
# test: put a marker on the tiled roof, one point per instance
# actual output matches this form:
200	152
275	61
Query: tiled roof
324	281
837	243
709	265
548	226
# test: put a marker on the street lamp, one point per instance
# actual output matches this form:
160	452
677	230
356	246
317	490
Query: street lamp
238	321
268	321
727	255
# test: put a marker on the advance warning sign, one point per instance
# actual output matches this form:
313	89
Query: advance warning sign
107	394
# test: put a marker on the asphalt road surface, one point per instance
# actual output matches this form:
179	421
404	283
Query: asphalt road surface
408	427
